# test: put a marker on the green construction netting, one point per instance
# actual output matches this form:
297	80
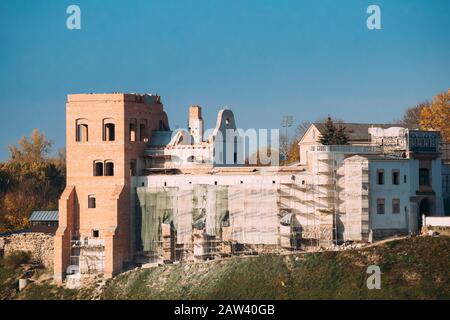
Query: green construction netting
183	207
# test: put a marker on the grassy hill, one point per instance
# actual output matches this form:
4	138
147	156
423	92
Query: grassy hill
412	268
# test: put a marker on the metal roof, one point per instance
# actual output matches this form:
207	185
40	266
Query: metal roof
44	216
160	138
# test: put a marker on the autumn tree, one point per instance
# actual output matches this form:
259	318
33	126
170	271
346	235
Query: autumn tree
411	117
289	147
29	180
33	150
436	116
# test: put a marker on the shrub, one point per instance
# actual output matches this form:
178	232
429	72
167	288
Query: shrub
16	258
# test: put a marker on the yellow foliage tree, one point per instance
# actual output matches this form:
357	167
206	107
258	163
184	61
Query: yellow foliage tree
437	115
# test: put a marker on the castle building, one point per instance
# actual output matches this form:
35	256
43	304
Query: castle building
138	192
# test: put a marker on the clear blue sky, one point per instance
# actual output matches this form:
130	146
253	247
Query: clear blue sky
262	58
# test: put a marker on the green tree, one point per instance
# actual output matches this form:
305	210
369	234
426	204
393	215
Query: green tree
333	135
340	137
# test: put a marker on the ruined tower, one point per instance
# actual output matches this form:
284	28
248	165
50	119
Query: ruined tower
105	140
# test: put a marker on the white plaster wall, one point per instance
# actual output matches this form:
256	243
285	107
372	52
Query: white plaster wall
436	182
389	191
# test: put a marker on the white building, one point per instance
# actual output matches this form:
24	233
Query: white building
362	192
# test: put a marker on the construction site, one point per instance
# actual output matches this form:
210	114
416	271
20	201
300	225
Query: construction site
138	193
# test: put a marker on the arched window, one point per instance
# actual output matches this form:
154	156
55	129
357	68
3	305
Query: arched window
109	168
98	168
109	130
91	201
81	134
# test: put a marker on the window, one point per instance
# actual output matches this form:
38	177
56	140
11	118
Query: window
143	131
95	233
395	205
161	125
380	176
133	168
81	134
133	130
109	130
109	169
226	220
404	178
91	201
424	177
380	206
396	177
98	168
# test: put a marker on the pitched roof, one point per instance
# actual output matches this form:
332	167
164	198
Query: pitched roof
356	131
44	216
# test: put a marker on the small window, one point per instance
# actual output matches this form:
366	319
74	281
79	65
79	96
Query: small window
98	169
132	168
273	181
404	178
133	130
95	233
143	132
215	183
380	177
396	177
226	220
395	205
424	177
91	201
242	182
380	206
109	169
161	125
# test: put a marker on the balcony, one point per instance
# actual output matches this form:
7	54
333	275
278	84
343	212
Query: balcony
345	149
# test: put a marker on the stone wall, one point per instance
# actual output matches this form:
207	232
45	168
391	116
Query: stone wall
39	244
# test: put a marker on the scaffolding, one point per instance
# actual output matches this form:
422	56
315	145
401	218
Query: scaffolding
87	255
